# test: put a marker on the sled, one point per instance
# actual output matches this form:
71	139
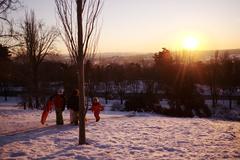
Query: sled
46	110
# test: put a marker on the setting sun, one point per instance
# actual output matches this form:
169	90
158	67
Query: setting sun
190	43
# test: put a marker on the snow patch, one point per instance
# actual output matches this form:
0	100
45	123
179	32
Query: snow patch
118	135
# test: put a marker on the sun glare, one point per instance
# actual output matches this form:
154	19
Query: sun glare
190	43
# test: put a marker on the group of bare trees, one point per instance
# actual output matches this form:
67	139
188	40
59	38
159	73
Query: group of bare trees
223	79
37	43
174	78
32	40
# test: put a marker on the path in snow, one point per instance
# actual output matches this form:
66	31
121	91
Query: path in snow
137	137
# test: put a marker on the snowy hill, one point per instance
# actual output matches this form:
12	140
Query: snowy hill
118	135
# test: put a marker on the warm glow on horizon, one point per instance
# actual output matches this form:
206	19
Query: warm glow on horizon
197	25
190	43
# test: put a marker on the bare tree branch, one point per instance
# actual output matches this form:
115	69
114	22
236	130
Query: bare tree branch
7	34
7	6
66	14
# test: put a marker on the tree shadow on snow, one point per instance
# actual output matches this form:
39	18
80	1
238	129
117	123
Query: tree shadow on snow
69	151
34	133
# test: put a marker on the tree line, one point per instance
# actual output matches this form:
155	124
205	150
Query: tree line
170	76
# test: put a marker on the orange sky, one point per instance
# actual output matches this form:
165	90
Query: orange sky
148	25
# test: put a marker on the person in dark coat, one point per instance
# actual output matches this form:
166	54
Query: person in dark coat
73	106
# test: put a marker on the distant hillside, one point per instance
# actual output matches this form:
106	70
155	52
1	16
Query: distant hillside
147	58
125	58
206	55
144	58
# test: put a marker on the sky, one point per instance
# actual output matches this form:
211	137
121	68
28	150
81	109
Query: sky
143	26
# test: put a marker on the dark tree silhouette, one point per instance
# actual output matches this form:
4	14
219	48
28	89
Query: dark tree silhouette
163	68
5	65
38	43
229	76
4	53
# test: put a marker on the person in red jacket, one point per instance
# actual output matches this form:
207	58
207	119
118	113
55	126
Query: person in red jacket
96	108
59	102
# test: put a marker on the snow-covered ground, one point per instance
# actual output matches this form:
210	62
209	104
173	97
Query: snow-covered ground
118	135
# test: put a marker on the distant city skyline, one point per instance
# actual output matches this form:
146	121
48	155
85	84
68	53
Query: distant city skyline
148	25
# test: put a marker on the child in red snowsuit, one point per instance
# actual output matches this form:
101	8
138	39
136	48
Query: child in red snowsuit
96	108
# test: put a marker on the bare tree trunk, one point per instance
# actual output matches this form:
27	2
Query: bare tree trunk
213	95
35	85
5	93
230	102
30	105
214	81
230	98
82	135
81	80
121	98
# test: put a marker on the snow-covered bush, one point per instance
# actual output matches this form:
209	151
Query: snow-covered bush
141	102
116	106
224	112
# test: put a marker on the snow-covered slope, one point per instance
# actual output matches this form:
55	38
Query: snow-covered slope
117	136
